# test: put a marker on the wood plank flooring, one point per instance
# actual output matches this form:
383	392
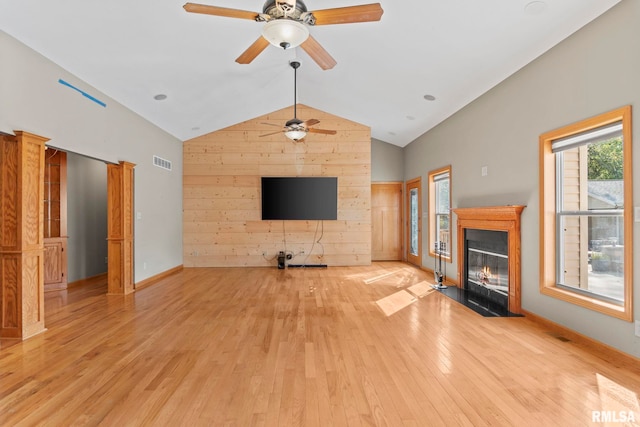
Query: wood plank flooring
299	347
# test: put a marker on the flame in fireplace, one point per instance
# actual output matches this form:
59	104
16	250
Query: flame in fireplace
485	274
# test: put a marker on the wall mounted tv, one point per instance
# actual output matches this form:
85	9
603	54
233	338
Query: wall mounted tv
299	198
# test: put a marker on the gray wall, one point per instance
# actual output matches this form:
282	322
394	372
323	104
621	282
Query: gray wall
31	99
86	217
387	162
593	71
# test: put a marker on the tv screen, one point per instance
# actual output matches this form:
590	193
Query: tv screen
301	198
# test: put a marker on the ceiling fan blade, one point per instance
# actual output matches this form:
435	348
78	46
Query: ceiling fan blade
324	131
349	14
252	51
220	11
272	133
318	54
310	122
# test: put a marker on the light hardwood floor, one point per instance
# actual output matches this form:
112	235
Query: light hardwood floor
305	347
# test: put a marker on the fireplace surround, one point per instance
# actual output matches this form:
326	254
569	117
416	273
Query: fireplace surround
489	253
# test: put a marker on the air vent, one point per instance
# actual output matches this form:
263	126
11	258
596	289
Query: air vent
558	336
161	163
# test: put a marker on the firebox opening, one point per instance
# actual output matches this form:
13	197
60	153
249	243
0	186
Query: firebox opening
487	267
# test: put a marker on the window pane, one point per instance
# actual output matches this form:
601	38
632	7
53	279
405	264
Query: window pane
600	239
442	232
591	247
442	196
413	222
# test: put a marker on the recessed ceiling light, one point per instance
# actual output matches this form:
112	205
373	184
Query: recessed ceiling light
160	97
430	97
535	8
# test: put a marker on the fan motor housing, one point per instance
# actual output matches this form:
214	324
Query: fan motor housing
271	8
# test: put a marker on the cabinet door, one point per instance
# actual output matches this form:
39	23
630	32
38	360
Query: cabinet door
55	260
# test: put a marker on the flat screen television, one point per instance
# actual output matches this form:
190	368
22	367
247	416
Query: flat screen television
299	198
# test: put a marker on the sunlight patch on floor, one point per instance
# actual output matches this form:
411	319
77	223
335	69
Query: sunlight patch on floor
421	289
617	401
395	302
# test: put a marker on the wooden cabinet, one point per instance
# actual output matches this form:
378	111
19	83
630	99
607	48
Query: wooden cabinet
55	220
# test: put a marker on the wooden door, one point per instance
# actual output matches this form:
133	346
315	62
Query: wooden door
386	221
414	221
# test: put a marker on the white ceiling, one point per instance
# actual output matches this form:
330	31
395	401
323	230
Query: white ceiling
454	50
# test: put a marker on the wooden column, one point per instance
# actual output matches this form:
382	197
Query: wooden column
21	235
120	228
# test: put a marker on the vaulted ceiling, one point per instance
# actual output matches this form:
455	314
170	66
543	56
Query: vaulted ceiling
452	50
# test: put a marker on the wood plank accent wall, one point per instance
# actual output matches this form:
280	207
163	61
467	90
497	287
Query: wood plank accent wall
221	187
21	235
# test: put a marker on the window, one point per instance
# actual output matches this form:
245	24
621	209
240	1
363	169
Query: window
586	213
440	212
414	237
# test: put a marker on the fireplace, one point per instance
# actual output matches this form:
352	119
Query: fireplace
489	254
486	265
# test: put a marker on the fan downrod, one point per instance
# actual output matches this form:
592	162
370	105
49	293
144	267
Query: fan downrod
295	64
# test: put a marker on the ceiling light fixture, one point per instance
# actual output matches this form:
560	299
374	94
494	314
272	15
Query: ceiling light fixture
160	97
295	134
296	129
535	8
285	33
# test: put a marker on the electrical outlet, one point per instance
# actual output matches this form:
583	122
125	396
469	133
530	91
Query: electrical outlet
106	260
484	171
195	253
638	328
144	265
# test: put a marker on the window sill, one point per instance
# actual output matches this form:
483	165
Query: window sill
622	312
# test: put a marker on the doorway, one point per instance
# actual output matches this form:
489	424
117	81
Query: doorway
414	221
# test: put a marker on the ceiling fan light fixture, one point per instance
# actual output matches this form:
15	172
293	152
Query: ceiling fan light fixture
285	33
295	134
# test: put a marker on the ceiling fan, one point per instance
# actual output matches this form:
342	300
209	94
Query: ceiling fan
296	129
286	25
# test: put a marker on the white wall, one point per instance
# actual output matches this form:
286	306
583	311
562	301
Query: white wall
31	99
593	71
86	217
387	163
